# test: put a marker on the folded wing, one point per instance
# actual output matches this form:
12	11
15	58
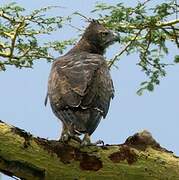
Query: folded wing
80	89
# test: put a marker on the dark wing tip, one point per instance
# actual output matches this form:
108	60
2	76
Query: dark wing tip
46	100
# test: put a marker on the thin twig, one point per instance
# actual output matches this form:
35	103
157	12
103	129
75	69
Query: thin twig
141	5
25	53
5	16
145	2
4	55
13	40
83	16
78	29
176	10
157	25
124	49
149	41
175	36
168	23
146	49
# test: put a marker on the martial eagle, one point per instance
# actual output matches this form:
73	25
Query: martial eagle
80	86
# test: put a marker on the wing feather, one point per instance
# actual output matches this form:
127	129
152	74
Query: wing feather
80	89
106	89
70	76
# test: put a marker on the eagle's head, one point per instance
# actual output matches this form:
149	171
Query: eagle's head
98	35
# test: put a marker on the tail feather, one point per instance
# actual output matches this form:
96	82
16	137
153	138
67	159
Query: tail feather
94	121
85	121
79	120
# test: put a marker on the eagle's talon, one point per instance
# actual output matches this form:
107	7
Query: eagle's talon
84	143
99	142
76	138
65	138
86	140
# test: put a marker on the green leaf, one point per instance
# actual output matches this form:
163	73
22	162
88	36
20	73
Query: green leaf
176	59
143	83
157	82
140	91
150	87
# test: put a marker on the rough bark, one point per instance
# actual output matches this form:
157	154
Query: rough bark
28	157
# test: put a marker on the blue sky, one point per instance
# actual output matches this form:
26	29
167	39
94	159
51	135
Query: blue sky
22	92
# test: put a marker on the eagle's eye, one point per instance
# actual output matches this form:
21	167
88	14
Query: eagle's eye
104	33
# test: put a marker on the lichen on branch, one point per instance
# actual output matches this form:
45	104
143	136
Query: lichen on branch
141	157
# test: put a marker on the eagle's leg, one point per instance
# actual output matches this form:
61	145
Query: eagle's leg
65	135
86	140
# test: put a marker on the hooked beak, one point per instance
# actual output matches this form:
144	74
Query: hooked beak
112	38
116	37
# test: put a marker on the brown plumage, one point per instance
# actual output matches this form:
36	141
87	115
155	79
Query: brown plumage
80	87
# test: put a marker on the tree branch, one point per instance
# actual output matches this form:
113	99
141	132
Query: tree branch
159	24
5	16
111	63
168	23
140	157
13	39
